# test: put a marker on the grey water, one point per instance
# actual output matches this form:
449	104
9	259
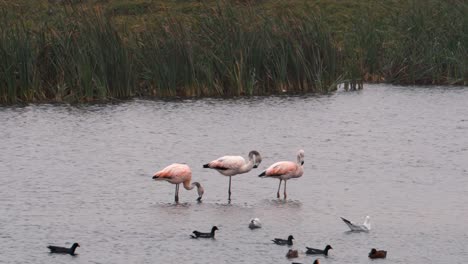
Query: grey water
82	173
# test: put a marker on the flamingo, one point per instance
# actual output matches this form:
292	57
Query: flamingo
285	170
233	165
176	174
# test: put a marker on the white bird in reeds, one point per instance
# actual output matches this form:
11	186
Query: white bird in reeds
176	174
365	227
233	165
285	170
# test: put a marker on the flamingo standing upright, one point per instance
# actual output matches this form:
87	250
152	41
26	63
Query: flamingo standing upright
285	170
233	165
176	174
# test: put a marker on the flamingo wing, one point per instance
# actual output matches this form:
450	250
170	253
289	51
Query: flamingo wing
227	163
174	171
280	168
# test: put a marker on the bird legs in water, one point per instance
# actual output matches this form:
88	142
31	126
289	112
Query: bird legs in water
285	191
229	191
279	187
177	193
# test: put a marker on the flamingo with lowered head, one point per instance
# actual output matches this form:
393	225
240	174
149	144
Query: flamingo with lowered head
285	170
176	174
233	165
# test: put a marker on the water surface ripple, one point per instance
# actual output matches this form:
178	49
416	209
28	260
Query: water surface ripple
83	173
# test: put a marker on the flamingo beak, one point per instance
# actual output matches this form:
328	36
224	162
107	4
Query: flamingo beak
255	166
302	163
155	177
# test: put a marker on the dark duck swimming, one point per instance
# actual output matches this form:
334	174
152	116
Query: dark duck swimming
280	241
197	234
315	251
64	250
315	262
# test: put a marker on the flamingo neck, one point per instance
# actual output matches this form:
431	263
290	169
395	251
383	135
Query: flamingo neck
300	161
189	186
247	167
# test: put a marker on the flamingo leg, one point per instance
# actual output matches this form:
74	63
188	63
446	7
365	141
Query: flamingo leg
279	186
177	193
229	191
285	190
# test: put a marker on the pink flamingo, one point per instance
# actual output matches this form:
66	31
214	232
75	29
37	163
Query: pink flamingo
176	174
285	170
233	165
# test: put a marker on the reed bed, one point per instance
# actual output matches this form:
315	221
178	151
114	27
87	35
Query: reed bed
230	50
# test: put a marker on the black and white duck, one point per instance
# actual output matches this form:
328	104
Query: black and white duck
280	241
315	251
64	250
197	234
315	262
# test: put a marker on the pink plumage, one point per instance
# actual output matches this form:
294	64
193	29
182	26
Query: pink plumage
285	170
233	165
176	174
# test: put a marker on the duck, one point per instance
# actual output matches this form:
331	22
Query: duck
315	262
255	223
315	251
64	250
292	254
280	241
197	234
365	227
374	254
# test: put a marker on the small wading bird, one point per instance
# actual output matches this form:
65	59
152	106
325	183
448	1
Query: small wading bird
315	251
233	165
64	250
177	174
285	170
280	241
197	234
365	227
374	254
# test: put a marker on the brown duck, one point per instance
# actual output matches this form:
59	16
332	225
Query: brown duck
374	254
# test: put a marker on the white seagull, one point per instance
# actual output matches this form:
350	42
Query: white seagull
255	223
365	227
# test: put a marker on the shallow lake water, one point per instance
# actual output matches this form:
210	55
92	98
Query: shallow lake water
83	174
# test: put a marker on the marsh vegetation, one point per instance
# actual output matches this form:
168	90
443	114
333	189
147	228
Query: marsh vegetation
100	50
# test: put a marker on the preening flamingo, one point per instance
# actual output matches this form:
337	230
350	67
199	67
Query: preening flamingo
285	170
233	165
176	174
